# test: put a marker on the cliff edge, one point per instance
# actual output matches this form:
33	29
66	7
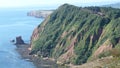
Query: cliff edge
75	35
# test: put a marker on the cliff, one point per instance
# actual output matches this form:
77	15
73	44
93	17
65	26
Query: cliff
40	13
75	35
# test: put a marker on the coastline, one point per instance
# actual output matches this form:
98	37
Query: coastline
24	51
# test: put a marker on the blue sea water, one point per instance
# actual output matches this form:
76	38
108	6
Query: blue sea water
15	23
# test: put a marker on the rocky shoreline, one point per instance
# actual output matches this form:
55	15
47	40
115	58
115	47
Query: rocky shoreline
24	51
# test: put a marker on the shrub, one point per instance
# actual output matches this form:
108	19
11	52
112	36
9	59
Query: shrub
104	54
115	52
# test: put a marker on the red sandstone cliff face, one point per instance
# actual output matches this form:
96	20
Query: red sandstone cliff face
35	36
37	31
69	54
70	49
107	45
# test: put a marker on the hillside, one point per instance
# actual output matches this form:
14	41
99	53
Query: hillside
77	35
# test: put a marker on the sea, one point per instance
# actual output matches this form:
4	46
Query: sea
13	23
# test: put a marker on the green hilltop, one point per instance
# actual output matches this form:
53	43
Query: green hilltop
77	35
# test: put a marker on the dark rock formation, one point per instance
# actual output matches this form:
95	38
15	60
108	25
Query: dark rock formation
19	40
12	41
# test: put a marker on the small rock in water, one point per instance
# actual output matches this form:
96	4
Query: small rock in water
12	41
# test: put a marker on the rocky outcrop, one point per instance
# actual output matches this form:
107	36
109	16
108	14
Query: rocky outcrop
40	13
19	41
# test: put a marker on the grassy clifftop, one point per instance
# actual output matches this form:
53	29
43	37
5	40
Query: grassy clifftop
73	34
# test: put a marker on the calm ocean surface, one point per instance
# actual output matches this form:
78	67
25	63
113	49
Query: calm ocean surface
15	23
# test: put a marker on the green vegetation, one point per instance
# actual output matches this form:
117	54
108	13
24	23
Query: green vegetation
115	61
89	26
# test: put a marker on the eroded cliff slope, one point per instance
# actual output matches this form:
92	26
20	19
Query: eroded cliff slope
74	35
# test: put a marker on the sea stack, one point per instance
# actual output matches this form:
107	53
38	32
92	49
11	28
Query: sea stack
19	41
